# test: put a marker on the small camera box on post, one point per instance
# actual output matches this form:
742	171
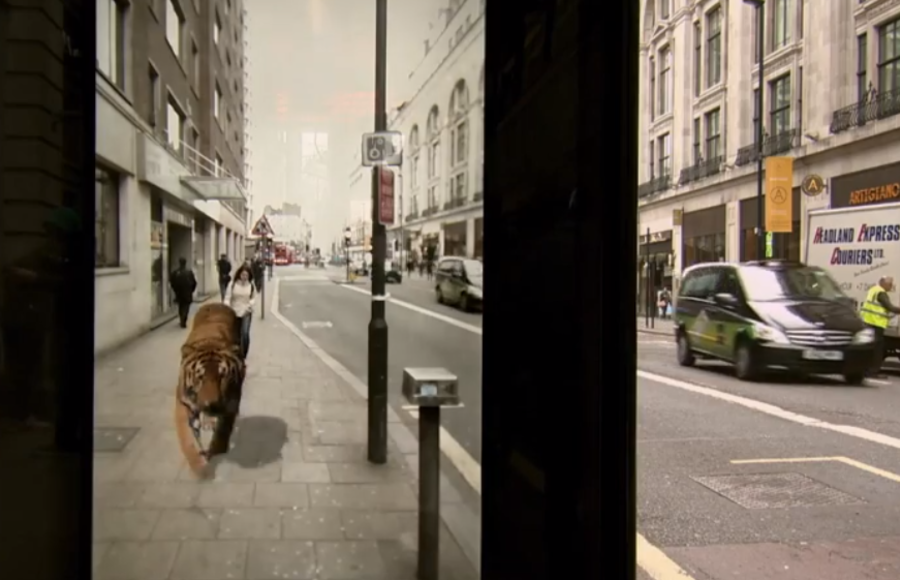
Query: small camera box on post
430	387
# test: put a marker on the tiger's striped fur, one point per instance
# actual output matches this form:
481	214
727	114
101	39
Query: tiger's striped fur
210	381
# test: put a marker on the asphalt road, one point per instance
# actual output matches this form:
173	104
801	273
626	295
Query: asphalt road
812	501
421	333
801	520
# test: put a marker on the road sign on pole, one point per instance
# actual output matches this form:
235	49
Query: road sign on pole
382	148
385	196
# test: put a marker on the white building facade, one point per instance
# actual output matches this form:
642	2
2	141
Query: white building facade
439	199
831	91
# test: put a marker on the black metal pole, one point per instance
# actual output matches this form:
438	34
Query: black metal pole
429	492
647	280
378	330
760	207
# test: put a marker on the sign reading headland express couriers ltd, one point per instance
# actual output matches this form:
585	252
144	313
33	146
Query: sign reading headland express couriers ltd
871	187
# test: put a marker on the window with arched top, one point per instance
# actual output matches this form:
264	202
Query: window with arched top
459	145
432	127
413	173
459	100
433	135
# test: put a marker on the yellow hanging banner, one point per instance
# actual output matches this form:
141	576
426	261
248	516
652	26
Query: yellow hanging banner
779	201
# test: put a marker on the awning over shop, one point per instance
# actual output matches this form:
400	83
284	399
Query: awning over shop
215	188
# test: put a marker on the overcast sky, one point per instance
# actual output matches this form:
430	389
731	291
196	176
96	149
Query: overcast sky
316	58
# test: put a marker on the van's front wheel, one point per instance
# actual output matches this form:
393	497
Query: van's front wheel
745	365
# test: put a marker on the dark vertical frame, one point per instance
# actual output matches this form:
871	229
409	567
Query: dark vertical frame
559	419
79	134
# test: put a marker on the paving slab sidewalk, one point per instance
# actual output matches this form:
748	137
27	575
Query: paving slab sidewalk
660	326
294	498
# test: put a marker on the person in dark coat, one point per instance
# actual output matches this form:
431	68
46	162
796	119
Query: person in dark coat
224	268
183	284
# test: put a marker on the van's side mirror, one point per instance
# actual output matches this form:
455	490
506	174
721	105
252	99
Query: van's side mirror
725	299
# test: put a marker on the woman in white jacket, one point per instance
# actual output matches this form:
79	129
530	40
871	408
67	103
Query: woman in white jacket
240	296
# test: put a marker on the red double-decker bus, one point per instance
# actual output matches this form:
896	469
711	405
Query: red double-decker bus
284	255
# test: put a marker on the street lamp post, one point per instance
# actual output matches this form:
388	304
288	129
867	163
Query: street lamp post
761	54
378	329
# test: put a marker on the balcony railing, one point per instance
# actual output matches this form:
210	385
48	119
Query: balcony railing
772	145
874	107
430	211
412	216
655	185
478	196
700	170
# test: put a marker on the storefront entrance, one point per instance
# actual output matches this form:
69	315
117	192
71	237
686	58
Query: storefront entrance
655	261
158	266
703	236
780	245
455	239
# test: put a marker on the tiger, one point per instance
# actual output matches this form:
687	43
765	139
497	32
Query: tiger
210	383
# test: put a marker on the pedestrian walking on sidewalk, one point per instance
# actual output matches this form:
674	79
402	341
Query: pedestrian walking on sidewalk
258	269
224	267
183	284
241	296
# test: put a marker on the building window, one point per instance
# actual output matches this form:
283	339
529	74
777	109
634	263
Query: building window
174	26
154	99
414	157
756	36
698	147
781	105
889	57
664	150
781	32
111	40
220	166
106	222
217	101
433	134
195	63
664	9
698	58
714	47
756	114
713	135
459	142
217	29
665	80
174	124
652	88
652	160
460	134
862	55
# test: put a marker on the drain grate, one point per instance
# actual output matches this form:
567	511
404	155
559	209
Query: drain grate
759	491
113	439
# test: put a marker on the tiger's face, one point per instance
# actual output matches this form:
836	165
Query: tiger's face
206	382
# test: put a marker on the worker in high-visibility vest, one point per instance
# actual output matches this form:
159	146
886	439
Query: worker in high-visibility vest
876	312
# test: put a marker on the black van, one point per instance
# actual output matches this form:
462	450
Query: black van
771	314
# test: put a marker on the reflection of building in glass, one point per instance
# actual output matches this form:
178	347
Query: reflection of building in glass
439	190
698	151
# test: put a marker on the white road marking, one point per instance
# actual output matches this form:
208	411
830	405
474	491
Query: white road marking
442	317
317	324
773	410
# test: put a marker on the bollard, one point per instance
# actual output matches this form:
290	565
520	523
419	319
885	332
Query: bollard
429	390
262	293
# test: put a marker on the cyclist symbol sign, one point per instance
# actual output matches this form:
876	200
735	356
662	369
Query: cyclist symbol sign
382	148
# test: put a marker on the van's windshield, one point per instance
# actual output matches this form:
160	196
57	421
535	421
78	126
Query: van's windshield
790	283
